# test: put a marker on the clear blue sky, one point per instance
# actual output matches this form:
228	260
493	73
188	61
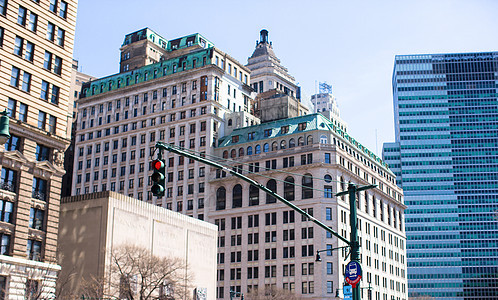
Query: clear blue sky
349	44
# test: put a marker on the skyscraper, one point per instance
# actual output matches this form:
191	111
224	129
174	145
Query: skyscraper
36	49
446	159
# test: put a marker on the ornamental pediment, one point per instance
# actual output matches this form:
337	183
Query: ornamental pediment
13	159
44	169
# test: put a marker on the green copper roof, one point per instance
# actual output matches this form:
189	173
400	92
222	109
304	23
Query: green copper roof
143	34
274	129
146	73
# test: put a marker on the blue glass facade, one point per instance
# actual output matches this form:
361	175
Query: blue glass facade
446	160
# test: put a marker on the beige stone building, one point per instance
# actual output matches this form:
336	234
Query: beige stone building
93	225
36	48
264	244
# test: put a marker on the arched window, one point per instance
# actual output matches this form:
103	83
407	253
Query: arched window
241	151
342	184
374	207
283	144
292	143
381	209
237	196
253	195
225	154
257	149
249	150
289	188
323	139
221	197
300	141
274	146
310	140
395	217
366	203
307	189
229	122
388	214
266	147
272	185
233	153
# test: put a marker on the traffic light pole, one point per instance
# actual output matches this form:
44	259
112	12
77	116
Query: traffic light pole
352	190
353	219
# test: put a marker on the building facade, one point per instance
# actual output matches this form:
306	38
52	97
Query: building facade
445	158
264	244
183	100
104	221
36	46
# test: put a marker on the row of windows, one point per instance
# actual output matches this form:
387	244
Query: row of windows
54	33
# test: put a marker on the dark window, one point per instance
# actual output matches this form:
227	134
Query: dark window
39	189
42	153
289	193
36	218
237	196
34	250
307	189
253	195
220	198
8	180
272	185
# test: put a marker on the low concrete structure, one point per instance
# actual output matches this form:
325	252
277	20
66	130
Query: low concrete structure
92	225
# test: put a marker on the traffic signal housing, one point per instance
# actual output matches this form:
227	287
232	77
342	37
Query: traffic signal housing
158	178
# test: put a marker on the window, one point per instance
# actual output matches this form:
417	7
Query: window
289	193
14	77
47	63
4	244
18	45
36	218
220	198
63	9
3	7
53	6
237	196
34	250
272	185
307	189
50	31
33	21
30	51
39	189
42	118
58	65
42	152
21	16
8	182
253	196
26	82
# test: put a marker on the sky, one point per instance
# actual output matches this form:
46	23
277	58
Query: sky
348	44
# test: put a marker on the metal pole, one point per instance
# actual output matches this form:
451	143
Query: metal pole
355	244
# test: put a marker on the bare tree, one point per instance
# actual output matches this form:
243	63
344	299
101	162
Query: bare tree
272	294
135	273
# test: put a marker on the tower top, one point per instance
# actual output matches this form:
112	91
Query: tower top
263	36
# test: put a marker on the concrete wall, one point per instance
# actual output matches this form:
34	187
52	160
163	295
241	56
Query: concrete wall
94	224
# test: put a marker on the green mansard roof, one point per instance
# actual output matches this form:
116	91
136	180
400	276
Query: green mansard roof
313	122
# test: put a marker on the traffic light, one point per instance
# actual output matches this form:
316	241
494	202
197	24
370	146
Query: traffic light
158	178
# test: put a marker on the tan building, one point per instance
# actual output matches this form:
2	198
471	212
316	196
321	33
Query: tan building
264	244
93	225
36	39
183	99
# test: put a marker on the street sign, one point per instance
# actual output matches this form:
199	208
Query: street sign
353	273
347	290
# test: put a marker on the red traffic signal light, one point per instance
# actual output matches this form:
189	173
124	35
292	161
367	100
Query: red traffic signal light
157	165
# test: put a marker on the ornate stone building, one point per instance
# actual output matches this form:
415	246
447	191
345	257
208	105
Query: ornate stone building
36	39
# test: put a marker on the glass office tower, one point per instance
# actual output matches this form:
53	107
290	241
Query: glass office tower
446	160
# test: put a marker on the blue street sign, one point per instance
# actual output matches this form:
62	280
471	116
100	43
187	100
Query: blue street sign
347	290
353	273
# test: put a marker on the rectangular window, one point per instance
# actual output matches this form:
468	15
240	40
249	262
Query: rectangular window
30	51
53	6
42	119
58	65
47	63
8	182
18	45
52	123
63	9
33	21
21	16
55	94
34	250
50	31
26	82
4	244
36	218
42	153
3	7
14	77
